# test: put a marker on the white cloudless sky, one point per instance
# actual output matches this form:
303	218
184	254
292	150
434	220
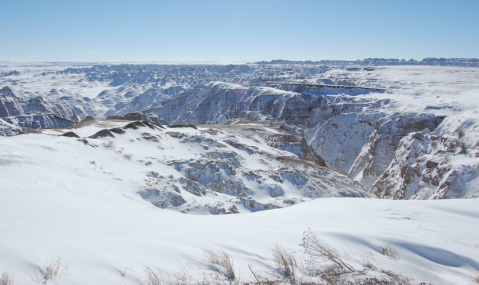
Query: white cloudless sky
236	30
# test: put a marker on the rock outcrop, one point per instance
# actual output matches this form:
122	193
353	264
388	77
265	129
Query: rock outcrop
218	169
396	155
34	113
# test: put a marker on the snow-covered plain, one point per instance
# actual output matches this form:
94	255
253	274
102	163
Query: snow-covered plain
91	201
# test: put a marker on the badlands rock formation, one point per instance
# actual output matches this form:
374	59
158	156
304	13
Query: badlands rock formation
407	132
32	113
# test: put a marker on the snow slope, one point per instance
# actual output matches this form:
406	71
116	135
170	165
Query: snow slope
206	170
62	197
100	229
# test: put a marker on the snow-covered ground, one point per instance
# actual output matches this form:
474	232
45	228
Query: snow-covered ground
41	80
63	198
100	229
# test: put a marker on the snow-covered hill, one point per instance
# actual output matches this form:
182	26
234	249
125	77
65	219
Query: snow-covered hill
217	170
100	227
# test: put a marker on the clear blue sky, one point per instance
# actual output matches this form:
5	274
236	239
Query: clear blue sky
236	30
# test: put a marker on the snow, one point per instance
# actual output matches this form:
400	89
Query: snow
414	88
97	230
41	80
57	202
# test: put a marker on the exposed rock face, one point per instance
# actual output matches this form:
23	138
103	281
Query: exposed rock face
219	169
137	117
10	107
82	107
348	118
436	165
39	121
398	155
221	102
8	129
254	188
328	89
7	91
35	113
349	134
280	136
362	144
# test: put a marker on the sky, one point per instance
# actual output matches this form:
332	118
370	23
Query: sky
236	30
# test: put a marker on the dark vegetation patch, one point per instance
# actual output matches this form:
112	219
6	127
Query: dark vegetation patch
117	131
132	116
134	125
240	146
86	142
70	135
150	137
114	118
137	124
153	125
127	117
176	135
183	126
103	133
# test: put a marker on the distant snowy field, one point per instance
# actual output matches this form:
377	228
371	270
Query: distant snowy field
61	198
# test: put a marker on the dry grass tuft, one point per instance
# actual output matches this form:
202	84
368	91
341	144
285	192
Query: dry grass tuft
285	261
368	260
328	264
6	278
123	271
181	276
389	251
50	270
321	252
154	278
222	259
109	144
